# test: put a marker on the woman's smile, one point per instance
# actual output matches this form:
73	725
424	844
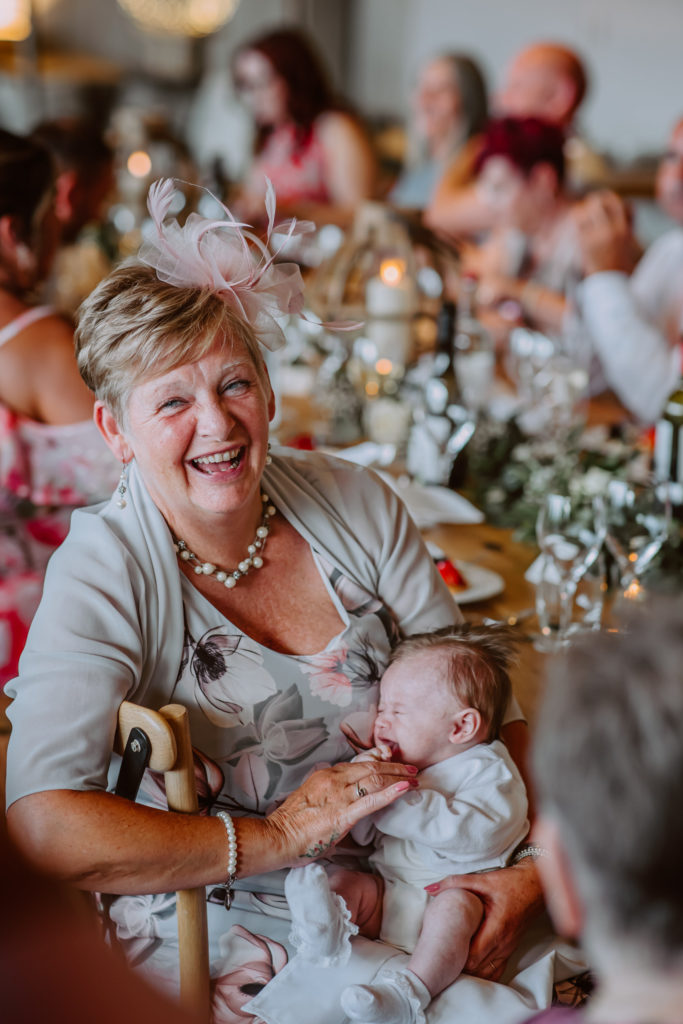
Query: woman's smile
199	434
219	462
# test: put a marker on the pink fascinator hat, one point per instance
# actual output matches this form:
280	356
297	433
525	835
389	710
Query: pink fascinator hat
226	257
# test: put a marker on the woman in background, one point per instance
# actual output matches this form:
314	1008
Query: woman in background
51	456
316	153
450	111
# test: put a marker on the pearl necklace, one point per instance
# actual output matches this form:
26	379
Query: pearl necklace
229	577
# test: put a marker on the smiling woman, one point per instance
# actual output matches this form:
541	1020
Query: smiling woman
156	597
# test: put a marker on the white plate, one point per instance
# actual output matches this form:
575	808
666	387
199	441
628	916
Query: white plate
483	583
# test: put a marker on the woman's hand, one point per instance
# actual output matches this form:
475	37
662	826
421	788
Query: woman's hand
512	897
330	802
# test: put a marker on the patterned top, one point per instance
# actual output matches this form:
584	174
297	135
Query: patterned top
261	722
45	472
296	168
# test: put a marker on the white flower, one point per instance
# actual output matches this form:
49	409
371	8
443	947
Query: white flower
593	482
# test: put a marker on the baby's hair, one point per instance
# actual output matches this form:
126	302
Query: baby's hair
478	661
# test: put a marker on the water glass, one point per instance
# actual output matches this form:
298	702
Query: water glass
552	613
570	530
589	598
638	522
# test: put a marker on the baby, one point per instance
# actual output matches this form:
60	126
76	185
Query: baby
442	702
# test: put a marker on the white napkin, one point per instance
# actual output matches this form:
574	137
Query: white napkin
428	504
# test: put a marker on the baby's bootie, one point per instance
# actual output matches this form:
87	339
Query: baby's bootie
321	922
396	997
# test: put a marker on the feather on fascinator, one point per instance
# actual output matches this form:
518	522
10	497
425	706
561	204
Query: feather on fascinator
226	257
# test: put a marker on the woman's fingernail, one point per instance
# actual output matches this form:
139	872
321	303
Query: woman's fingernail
411	768
401	787
434	887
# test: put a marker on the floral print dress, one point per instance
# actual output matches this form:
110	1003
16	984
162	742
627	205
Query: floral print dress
46	472
261	721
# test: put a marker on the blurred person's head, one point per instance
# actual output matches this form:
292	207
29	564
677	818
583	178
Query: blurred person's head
281	78
669	185
545	80
520	170
450	101
608	766
29	232
85	171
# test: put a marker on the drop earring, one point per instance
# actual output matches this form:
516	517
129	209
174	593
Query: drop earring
269	457
123	485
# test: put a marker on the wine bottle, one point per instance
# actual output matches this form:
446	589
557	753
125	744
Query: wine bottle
668	453
474	355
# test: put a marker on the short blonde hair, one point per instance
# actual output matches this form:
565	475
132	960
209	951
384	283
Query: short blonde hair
478	659
134	326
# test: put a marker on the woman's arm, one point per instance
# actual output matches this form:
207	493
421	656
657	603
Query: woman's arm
102	842
40	377
350	161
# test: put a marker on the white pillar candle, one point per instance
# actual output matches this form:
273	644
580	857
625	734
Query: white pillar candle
392	293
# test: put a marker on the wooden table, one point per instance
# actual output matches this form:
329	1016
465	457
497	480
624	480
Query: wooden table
494	548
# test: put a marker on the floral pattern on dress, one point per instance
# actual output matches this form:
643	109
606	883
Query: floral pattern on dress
230	676
262	721
45	473
280	738
249	962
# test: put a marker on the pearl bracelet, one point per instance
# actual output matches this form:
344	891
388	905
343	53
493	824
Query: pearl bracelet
232	857
528	850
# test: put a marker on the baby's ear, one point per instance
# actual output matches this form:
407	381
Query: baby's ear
467	725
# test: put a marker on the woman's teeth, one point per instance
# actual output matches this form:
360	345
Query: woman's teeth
233	457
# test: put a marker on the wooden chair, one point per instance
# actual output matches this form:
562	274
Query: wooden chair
161	740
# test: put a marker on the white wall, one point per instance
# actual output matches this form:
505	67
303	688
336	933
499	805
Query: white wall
633	50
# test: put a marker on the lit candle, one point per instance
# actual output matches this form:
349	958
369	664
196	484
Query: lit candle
392	293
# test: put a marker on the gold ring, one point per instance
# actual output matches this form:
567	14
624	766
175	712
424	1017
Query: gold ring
360	792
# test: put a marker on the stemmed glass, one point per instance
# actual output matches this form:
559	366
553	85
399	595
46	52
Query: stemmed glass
638	521
570	530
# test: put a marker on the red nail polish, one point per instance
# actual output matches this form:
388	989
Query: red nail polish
434	887
411	768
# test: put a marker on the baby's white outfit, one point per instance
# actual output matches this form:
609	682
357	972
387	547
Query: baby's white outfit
468	815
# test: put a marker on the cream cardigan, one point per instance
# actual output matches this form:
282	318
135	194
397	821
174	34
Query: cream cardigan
110	624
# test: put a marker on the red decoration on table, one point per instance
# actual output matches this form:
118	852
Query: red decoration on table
451	575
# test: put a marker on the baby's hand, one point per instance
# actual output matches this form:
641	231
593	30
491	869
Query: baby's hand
382	752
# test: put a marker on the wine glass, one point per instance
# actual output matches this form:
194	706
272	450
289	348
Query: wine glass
638	521
570	530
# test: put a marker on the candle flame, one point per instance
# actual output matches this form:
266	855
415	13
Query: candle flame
384	366
392	271
139	164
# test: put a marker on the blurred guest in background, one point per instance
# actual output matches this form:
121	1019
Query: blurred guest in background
609	770
635	323
450	111
532	255
312	148
545	80
85	178
46	922
51	455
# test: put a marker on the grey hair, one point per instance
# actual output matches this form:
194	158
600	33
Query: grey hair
134	326
479	658
608	765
